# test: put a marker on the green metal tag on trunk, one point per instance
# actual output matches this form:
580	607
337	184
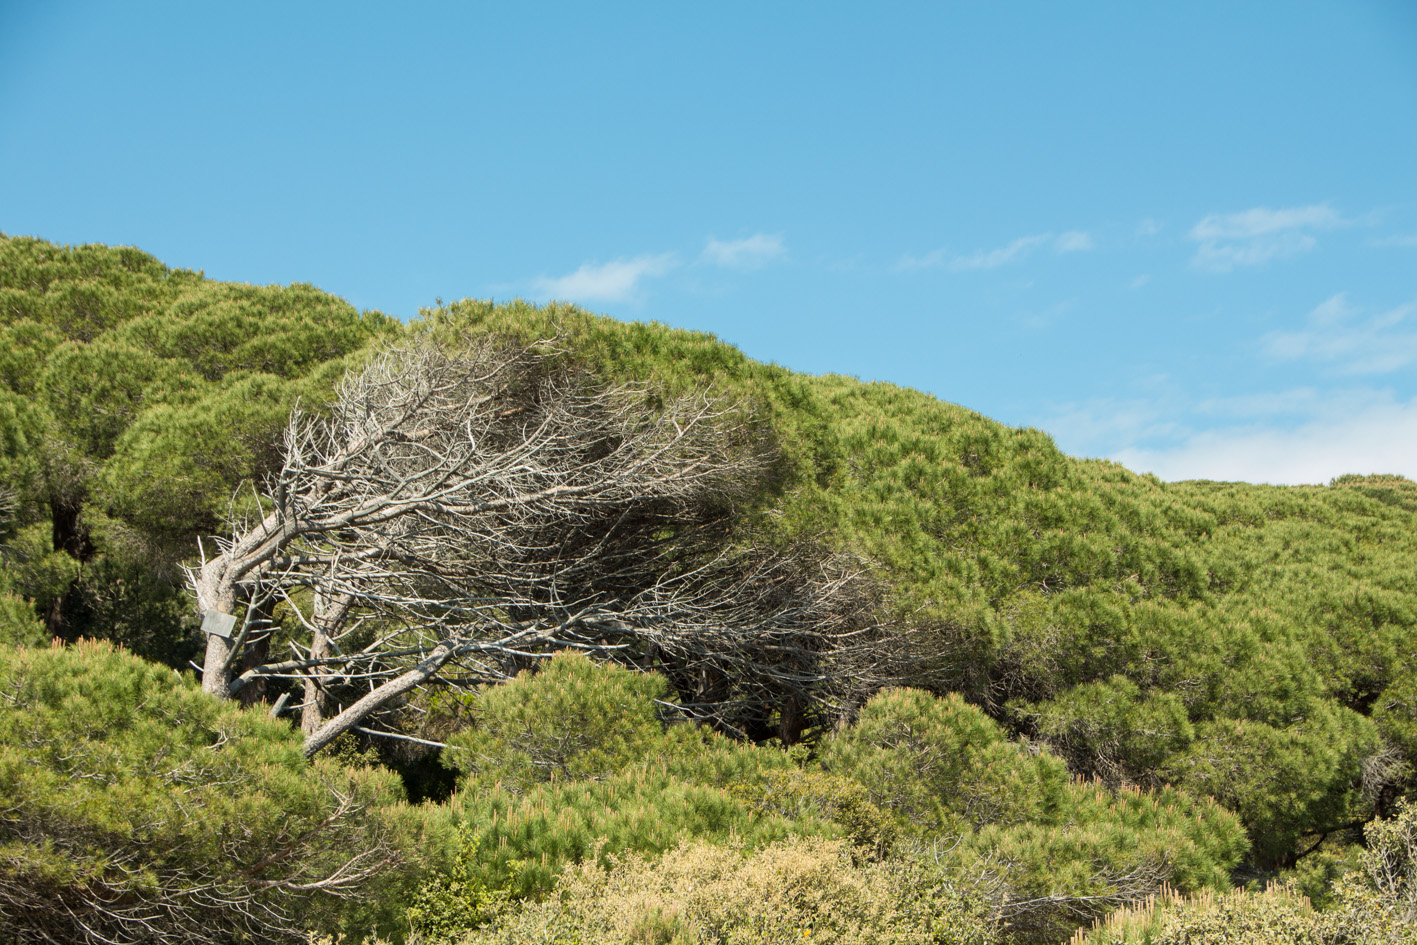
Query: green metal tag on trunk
218	624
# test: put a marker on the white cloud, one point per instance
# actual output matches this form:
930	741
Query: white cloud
1256	236
753	252
1405	242
1139	281
614	281
1073	241
993	258
1379	436
1147	227
1338	336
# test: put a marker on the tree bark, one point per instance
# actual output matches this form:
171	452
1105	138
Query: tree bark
216	667
392	689
312	716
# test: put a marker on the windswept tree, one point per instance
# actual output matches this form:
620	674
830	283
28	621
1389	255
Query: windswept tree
467	512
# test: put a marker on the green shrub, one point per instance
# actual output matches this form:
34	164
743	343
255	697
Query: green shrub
573	759
1058	850
809	793
18	624
943	765
138	808
1283	782
527	838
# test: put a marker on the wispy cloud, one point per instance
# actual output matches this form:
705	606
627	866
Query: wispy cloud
614	281
1371	433
1147	227
1073	241
1257	236
931	260
1267	405
1094	427
1336	333
1404	242
1139	281
994	258
752	252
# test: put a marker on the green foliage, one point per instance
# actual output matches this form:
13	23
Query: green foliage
1375	904
138	807
457	900
575	755
1253	644
1395	713
529	838
134	400
1120	619
1277	916
575	720
1283	782
810	793
1119	845
35	570
1111	729
571	720
18	624
943	765
1058	847
1379	903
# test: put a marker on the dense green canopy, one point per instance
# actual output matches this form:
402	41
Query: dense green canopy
1066	619
134	399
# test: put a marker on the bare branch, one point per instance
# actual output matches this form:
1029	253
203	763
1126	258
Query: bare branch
483	509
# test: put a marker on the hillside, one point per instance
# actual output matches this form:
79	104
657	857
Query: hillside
1251	644
1254	643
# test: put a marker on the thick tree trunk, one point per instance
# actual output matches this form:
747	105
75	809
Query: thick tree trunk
216	667
329	615
386	693
257	653
67	531
790	721
317	703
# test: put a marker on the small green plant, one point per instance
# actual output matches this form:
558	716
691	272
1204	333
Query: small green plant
457	901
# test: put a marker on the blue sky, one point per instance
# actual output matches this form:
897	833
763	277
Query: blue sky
1180	235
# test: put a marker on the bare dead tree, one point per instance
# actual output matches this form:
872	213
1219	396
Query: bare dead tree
467	514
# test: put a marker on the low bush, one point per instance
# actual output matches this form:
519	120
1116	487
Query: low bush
795	891
1373	905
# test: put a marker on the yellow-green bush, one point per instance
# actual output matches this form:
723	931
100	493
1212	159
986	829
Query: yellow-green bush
789	893
1374	905
1277	916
